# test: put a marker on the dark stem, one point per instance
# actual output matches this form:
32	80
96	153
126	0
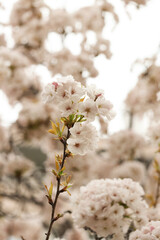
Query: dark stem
58	191
22	238
93	233
130	229
109	237
131	116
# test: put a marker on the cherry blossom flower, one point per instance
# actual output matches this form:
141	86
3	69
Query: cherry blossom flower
83	138
149	232
103	205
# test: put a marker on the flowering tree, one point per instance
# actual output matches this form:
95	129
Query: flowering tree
82	183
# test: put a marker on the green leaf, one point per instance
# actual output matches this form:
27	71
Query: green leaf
50	190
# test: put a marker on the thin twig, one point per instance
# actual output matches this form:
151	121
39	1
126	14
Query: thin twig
96	236
58	191
130	229
68	211
131	119
93	233
23	238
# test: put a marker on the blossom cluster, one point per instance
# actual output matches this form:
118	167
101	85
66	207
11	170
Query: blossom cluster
17	78
143	96
108	206
154	213
15	165
79	106
149	232
154	132
132	169
16	227
31	125
124	145
33	22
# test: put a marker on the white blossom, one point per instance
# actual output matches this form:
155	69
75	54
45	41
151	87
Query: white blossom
154	132
71	97
88	109
18	165
153	213
149	232
103	205
124	145
49	93
83	138
104	108
132	169
68	107
158	96
93	92
69	89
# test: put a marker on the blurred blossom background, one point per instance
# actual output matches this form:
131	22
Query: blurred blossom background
135	37
112	44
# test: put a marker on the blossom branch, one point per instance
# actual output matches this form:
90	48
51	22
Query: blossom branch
58	191
93	232
77	108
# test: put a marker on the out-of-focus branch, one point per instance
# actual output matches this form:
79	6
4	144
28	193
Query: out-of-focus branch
157	191
96	236
130	229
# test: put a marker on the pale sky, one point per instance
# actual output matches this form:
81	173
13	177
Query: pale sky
136	36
